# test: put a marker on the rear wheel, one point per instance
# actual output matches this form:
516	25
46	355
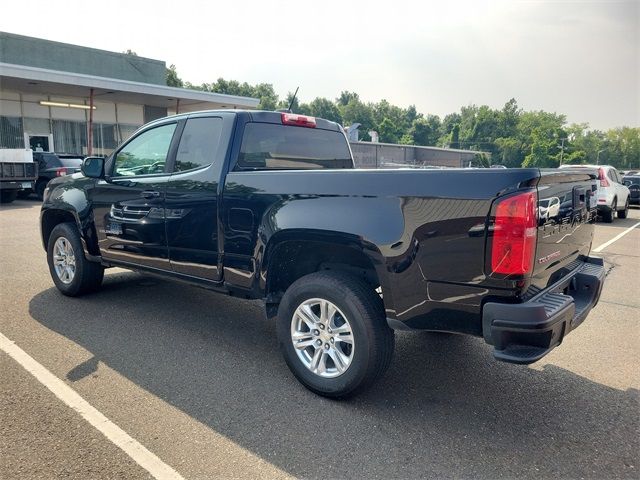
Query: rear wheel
625	212
609	215
72	273
8	196
333	333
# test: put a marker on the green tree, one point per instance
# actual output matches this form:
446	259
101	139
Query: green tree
509	117
542	153
454	136
509	152
388	131
396	124
510	135
267	95
263	91
406	139
623	147
324	108
345	97
293	103
446	127
172	78
357	112
425	131
480	160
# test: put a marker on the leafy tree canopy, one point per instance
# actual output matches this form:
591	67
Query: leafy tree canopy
509	136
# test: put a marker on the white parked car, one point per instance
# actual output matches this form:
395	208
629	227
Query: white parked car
548	208
612	195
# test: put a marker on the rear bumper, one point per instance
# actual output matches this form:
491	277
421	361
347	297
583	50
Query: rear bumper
16	185
525	332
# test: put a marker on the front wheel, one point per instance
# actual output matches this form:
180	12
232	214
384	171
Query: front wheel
71	272
333	333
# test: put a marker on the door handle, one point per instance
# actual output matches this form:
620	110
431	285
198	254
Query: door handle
149	194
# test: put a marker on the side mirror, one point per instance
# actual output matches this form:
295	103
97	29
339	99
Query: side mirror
93	167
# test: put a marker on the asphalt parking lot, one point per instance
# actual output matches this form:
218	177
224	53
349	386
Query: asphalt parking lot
197	379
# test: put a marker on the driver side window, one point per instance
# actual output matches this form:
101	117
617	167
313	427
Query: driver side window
146	154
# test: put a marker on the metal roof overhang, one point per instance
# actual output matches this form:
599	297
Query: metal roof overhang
47	82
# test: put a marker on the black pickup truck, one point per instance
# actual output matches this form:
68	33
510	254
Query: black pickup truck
267	205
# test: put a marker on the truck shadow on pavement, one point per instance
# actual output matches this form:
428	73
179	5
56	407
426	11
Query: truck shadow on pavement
21	204
445	408
622	223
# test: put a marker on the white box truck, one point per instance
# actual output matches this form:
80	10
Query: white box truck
18	172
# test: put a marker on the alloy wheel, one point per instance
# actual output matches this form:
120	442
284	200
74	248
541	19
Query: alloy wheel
64	260
322	338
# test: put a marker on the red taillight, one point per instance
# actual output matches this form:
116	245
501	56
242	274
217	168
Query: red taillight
604	182
514	234
298	120
61	171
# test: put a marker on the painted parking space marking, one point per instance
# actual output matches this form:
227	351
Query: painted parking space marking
129	445
615	239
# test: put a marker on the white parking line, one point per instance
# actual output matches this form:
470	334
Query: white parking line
143	457
615	239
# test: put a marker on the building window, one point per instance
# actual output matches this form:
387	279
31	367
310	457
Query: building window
104	138
126	131
37	126
70	137
11	133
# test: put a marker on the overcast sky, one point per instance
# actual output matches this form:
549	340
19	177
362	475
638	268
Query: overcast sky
581	58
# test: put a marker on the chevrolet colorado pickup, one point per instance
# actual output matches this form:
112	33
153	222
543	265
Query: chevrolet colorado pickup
267	205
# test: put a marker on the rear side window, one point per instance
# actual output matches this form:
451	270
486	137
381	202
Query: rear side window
71	162
199	143
267	146
50	160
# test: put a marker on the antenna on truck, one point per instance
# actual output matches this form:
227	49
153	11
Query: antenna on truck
293	99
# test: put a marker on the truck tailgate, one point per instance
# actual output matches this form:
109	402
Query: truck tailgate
566	212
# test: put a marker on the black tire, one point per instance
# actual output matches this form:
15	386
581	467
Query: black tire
373	340
88	275
625	212
8	196
609	215
40	187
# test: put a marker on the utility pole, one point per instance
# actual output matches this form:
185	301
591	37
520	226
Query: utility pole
90	130
562	149
598	156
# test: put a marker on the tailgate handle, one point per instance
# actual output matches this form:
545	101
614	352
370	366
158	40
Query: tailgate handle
149	194
579	198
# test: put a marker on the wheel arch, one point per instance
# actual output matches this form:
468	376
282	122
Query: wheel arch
290	255
55	216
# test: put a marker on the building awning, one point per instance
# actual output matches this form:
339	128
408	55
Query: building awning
34	80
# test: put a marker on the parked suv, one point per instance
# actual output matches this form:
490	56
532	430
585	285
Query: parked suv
52	165
613	195
632	182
